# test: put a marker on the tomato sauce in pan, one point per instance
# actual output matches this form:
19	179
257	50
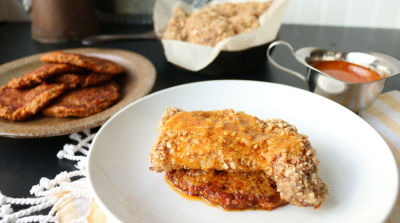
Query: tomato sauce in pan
346	71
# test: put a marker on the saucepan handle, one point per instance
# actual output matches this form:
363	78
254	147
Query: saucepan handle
273	62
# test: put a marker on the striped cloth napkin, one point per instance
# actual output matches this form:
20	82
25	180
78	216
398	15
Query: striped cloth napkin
384	116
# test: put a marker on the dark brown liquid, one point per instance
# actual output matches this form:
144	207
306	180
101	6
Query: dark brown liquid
346	71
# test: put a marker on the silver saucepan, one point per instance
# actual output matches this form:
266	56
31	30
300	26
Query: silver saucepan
355	96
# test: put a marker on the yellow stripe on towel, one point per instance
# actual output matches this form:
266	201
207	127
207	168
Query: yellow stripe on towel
384	118
391	101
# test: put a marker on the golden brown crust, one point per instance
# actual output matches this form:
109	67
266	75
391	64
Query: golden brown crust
41	73
230	190
171	111
234	141
5	112
20	104
95	79
70	80
83	80
95	64
84	102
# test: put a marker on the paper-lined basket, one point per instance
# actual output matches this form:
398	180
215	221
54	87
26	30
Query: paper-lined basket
195	57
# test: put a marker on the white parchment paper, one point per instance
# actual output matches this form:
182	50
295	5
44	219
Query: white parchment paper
195	57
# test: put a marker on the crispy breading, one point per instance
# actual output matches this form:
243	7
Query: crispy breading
230	190
21	104
84	102
70	80
227	140
94	64
41	73
214	23
95	79
83	80
176	25
234	141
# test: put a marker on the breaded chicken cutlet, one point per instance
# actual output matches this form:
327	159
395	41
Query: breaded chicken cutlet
84	102
229	190
82	80
226	140
94	64
70	76
42	73
20	104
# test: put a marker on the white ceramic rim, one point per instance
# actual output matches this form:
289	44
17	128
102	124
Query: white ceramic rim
111	215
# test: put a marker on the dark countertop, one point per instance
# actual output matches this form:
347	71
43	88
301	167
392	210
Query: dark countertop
24	161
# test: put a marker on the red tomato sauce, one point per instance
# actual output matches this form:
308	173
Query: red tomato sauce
346	71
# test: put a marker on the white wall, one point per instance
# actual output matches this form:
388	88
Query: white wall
355	13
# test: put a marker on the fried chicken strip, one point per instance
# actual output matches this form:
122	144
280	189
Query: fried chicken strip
234	141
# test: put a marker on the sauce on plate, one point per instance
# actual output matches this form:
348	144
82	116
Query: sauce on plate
346	71
184	195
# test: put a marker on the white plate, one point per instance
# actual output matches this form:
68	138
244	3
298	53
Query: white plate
355	162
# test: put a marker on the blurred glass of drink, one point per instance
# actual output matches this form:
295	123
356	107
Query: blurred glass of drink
55	21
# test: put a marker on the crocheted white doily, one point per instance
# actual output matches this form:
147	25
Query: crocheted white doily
53	194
